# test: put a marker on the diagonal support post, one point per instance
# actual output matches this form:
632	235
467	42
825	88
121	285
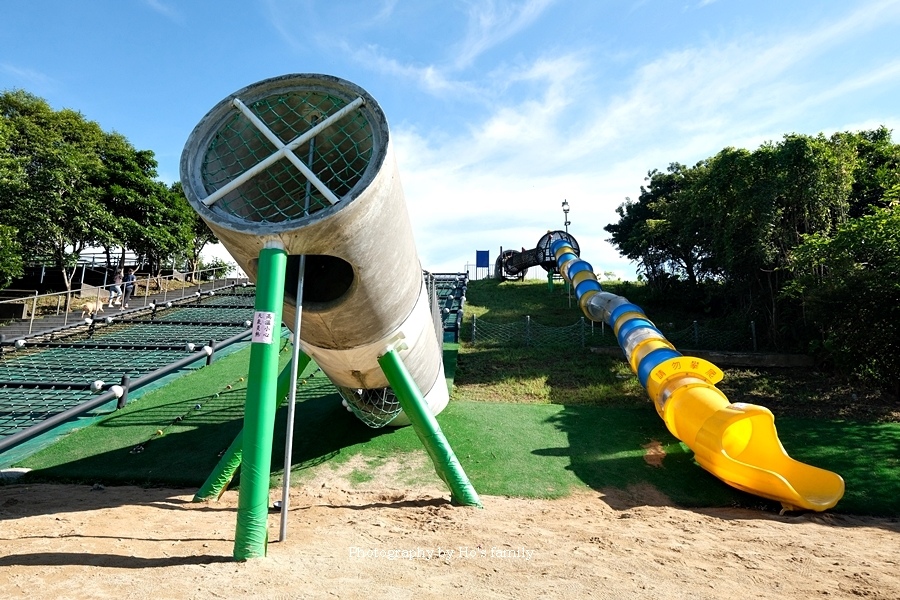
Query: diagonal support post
427	429
223	473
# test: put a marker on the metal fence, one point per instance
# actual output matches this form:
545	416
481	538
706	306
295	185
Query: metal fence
584	333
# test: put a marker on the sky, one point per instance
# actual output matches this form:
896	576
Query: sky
498	110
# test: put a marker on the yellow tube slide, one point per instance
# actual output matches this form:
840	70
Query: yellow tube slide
736	442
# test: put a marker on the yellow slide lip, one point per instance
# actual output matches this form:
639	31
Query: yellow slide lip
739	444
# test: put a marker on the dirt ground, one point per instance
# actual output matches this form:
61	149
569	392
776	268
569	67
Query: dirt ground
380	541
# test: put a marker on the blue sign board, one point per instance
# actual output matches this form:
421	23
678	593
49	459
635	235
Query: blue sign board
482	259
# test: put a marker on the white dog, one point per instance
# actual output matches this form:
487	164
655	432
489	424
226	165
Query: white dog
90	308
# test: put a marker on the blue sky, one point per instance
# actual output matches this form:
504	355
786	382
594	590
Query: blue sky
499	110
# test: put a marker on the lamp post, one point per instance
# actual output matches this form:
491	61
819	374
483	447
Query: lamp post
565	207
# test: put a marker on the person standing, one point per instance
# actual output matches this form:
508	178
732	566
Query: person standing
115	293
129	282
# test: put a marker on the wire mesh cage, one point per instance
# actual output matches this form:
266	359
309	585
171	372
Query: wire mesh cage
338	156
375	407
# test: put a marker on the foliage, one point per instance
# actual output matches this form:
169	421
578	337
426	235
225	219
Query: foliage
66	185
10	256
850	287
199	232
48	196
723	232
215	267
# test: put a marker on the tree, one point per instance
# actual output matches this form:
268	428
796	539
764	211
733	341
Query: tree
850	287
663	231
10	256
877	170
51	202
129	192
200	233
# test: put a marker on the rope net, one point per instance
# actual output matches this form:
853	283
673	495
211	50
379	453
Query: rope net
133	346
338	156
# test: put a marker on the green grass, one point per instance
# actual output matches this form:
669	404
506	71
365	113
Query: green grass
523	422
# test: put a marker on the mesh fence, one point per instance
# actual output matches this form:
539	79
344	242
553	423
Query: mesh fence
707	338
338	156
583	333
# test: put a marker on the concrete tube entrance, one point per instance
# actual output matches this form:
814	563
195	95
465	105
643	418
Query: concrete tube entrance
305	163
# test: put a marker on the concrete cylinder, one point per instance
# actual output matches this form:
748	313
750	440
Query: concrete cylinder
305	162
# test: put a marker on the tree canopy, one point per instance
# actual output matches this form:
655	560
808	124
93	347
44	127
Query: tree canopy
790	233
67	185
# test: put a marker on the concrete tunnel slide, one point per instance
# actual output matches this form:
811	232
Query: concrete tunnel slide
305	162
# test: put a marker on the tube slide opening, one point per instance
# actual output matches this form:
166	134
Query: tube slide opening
737	437
326	280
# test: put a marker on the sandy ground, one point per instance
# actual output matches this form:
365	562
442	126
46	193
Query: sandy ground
63	542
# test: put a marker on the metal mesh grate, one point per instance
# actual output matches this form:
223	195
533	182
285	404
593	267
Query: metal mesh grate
338	156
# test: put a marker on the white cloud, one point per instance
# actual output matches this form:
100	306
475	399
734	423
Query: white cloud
163	8
492	22
501	182
429	78
29	77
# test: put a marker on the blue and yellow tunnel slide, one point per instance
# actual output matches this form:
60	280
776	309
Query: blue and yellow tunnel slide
736	442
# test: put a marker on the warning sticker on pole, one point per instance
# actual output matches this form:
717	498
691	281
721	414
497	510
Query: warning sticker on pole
263	327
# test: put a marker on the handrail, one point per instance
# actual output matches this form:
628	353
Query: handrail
109	285
145	281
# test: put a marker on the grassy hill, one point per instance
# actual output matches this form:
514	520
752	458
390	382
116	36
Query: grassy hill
524	420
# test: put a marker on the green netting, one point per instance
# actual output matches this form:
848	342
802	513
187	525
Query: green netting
81	361
160	333
23	407
339	157
206	314
81	365
230	300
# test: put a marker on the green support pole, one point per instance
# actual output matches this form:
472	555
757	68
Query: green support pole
550	280
223	473
426	427
251	532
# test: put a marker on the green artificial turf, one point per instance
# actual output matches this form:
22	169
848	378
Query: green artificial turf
528	450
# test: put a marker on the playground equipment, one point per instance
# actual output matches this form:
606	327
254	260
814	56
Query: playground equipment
736	442
43	386
296	176
512	264
244	169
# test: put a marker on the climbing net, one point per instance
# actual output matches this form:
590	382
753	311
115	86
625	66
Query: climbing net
55	372
375	407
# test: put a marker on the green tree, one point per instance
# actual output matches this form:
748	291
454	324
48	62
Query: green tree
10	256
130	193
51	200
850	287
664	230
877	170
200	234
